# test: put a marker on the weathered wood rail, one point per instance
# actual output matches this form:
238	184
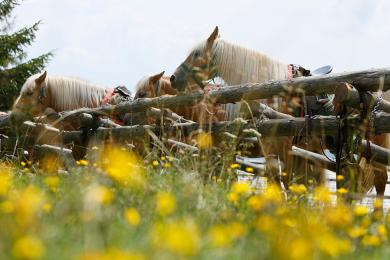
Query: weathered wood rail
368	80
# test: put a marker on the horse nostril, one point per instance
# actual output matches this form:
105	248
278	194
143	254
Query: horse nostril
172	79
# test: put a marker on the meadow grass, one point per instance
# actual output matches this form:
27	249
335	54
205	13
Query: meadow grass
117	206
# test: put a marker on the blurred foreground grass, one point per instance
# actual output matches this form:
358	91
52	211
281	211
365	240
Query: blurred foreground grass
116	206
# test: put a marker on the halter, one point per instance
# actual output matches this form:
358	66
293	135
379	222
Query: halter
193	73
42	94
157	88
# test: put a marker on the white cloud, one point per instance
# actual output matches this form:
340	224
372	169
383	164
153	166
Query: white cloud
118	42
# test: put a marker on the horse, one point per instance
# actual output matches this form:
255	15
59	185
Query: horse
160	85
236	64
44	95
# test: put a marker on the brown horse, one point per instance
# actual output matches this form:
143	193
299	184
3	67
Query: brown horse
158	85
236	65
43	95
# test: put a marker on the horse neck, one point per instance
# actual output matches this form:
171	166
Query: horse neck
236	64
68	93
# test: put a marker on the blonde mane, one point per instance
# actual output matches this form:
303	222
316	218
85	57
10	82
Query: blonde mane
236	64
70	93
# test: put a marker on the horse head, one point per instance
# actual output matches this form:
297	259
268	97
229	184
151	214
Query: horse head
197	67
154	86
33	98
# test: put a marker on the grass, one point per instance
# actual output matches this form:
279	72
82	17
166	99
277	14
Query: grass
117	206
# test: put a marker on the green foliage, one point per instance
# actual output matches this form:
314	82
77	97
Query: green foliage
14	69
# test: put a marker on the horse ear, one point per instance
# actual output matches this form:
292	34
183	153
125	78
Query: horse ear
41	78
213	36
156	77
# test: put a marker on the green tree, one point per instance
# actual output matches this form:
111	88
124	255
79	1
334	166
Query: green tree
14	68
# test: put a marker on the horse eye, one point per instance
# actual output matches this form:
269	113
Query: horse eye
29	93
141	94
196	54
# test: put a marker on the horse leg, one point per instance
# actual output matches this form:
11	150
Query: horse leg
380	181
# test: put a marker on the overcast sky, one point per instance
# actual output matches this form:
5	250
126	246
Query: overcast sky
119	41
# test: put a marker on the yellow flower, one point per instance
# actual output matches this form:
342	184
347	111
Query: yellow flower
249	169
163	158
371	241
27	204
5	183
167	165
233	197
124	167
82	162
241	188
340	178
165	204
132	216
298	189
112	254
322	195
155	163
300	249
22	163
356	232
47	207
273	194
378	204
50	164
236	229
179	237
332	245
256	203
338	216
28	247
360	210
7	206
52	182
99	195
289	222
342	191
205	140
235	166
265	223
219	236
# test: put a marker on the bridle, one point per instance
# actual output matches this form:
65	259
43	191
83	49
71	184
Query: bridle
157	88
42	95
193	73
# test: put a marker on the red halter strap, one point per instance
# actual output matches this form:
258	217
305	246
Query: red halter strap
107	98
290	74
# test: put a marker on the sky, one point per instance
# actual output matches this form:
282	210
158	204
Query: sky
118	42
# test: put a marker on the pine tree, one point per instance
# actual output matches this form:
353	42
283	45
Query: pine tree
14	70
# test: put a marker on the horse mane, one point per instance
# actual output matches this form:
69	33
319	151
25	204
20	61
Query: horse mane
71	93
142	83
236	64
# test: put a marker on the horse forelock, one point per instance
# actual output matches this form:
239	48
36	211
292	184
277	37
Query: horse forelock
142	83
71	93
30	85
